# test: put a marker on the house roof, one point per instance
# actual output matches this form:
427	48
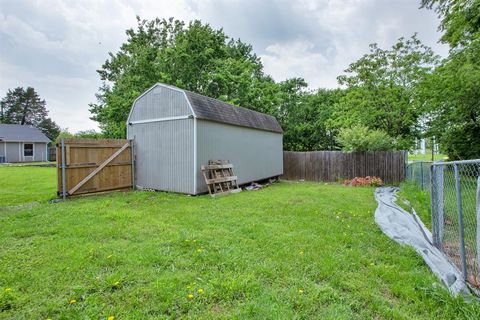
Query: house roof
219	111
21	133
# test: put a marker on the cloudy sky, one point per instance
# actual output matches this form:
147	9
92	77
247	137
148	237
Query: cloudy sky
56	46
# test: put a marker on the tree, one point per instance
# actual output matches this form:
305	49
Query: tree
460	20
452	100
305	116
87	134
452	93
25	107
194	57
382	89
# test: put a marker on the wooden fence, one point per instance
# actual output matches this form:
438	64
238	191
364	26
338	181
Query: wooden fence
52	154
332	166
93	165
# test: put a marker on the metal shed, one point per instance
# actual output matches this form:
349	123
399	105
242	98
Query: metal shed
176	131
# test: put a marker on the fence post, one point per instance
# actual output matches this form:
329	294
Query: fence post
132	157
436	204
433	207
460	221
439	172
421	173
478	220
64	188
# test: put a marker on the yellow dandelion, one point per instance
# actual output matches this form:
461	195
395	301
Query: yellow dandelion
8	289
190	296
200	291
111	318
73	301
300	291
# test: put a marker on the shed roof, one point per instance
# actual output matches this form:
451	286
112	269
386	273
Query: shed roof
219	111
20	133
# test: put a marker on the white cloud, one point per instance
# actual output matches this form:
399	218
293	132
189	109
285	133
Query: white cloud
297	58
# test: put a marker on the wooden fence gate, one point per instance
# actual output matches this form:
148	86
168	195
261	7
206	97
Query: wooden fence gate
94	165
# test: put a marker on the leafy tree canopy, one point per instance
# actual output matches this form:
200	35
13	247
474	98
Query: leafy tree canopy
25	107
460	20
451	95
191	56
452	98
382	90
88	134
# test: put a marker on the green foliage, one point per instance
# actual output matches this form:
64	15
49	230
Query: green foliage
305	120
382	90
360	138
451	94
88	134
194	57
138	255
25	107
460	20
204	60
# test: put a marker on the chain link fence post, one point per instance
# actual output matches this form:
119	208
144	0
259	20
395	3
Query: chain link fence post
478	221
460	221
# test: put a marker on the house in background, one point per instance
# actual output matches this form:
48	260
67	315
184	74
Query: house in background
22	143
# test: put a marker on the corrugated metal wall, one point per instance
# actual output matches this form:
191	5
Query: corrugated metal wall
160	102
164	155
255	154
164	150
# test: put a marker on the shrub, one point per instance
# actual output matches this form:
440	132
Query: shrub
360	138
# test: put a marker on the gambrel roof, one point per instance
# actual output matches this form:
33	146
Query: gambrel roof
216	110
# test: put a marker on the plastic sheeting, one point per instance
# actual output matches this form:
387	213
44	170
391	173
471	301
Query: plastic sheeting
407	229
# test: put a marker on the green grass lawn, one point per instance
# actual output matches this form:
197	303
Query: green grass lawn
419	199
290	251
20	185
426	157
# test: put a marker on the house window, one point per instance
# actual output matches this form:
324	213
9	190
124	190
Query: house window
28	150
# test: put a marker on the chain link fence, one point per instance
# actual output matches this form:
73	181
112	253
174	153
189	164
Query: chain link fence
420	173
455	203
454	189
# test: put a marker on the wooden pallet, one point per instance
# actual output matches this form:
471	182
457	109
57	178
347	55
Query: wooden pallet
220	177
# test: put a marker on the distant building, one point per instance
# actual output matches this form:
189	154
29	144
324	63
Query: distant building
22	143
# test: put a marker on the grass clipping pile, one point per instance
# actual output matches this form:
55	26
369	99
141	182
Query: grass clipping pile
408	229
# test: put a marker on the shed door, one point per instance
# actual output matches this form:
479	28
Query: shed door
164	155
